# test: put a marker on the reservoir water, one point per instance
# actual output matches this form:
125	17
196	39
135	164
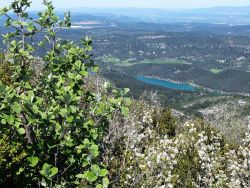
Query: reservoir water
166	84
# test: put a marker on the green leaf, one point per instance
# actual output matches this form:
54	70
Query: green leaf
94	150
20	171
69	143
103	172
85	163
90	176
17	124
3	121
125	111
21	131
33	161
126	90
99	186
86	143
96	169
53	171
80	176
10	119
16	108
84	73
45	170
30	28
43	183
51	147
30	96
127	101
48	172
88	48
95	69
105	182
106	85
91	122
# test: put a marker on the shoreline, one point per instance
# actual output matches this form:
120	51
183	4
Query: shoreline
198	86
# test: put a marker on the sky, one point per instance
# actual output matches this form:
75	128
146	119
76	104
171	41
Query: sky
162	4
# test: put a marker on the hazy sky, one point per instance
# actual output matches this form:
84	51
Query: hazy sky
165	4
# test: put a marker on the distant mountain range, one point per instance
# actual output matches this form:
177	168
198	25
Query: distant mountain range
218	15
145	11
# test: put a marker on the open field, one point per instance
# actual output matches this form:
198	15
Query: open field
216	71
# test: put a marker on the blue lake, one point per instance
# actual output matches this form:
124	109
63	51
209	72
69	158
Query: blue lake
166	84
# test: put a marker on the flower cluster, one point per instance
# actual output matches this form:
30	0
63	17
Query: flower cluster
198	156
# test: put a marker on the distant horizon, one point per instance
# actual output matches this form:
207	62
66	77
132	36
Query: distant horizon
159	8
139	4
142	8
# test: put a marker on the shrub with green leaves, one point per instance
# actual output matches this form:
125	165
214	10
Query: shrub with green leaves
51	126
164	122
5	70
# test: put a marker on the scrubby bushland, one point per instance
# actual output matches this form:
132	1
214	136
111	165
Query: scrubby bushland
52	122
63	126
190	155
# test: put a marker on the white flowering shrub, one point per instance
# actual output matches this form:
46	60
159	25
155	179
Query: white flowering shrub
143	155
